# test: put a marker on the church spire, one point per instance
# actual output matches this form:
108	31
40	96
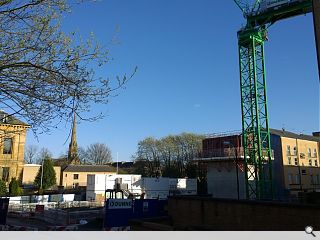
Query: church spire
73	147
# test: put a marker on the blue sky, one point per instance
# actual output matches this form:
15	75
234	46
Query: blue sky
188	75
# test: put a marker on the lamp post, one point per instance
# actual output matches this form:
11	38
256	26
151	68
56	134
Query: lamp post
227	143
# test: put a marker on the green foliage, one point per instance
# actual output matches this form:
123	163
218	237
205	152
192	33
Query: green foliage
3	188
14	188
170	156
48	175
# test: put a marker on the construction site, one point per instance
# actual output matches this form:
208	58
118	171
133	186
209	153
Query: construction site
257	179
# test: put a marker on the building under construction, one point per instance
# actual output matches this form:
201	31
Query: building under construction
295	165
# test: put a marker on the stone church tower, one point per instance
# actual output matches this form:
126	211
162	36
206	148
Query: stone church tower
73	157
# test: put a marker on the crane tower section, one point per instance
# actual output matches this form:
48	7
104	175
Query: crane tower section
255	122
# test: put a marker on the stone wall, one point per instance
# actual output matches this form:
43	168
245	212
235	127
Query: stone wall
228	215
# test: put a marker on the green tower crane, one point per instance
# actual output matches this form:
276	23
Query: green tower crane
259	15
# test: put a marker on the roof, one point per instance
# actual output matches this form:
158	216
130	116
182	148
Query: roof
89	168
122	164
32	165
6	118
283	133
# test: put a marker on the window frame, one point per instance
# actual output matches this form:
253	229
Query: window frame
5	173
309	152
76	176
295	151
288	150
5	145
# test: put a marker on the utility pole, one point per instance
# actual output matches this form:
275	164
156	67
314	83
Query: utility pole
316	23
117	162
41	174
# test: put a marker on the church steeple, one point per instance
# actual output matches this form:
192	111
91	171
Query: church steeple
73	157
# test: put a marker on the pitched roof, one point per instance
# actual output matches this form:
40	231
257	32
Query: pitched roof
283	133
89	168
122	164
6	118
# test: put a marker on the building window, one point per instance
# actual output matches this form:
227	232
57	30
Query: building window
310	162
295	151
288	150
7	146
296	161
309	152
66	175
290	178
289	160
5	174
304	172
316	163
76	176
314	153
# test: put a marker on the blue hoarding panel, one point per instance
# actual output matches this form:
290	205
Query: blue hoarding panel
4	203
120	211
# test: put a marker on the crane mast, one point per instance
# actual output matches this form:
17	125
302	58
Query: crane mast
260	15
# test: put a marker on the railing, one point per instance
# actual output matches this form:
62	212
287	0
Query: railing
225	153
31	207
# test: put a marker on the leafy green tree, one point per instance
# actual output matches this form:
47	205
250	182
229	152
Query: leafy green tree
14	188
171	156
48	175
45	73
3	188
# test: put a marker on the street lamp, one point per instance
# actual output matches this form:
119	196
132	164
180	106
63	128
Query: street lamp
227	143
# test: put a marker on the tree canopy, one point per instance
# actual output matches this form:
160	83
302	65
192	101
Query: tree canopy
3	188
170	156
46	74
48	176
14	188
97	154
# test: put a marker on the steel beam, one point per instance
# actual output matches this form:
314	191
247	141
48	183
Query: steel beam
316	21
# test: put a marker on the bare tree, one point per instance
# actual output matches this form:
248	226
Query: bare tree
82	154
98	154
30	154
46	74
44	153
